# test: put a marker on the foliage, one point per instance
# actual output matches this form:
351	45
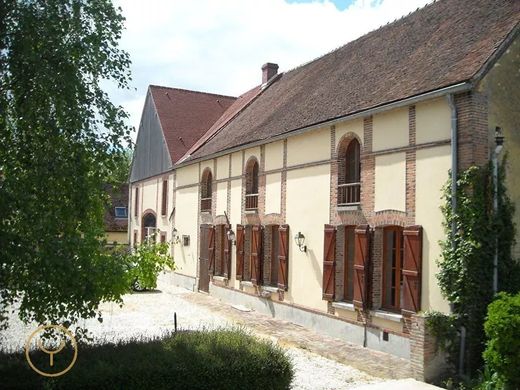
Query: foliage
118	175
217	359
59	134
466	266
145	263
443	328
502	327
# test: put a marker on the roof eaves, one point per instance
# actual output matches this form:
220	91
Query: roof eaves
462	86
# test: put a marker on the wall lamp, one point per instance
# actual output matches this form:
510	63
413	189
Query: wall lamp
299	238
231	236
175	236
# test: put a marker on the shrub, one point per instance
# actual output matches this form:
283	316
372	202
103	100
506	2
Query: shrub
502	326
145	263
218	359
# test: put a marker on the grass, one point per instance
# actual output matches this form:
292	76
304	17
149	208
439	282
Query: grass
217	359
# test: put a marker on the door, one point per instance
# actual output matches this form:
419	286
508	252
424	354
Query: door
204	258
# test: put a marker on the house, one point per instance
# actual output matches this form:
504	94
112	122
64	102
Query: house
116	215
315	197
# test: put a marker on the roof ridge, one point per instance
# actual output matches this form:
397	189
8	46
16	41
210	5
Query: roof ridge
192	91
363	36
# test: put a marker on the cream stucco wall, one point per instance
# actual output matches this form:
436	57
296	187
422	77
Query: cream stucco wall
432	121
223	167
273	193
307	212
236	164
120	237
390	129
390	182
354	126
308	147
221	198
502	86
187	175
251	152
274	155
432	169
186	224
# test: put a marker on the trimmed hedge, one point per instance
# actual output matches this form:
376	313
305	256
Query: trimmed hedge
220	359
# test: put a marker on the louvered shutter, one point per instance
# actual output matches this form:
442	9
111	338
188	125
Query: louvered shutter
283	256
211	249
240	251
329	263
412	261
227	252
361	266
256	253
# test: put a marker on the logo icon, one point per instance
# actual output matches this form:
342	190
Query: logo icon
51	345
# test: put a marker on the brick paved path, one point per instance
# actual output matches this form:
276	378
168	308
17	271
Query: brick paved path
375	363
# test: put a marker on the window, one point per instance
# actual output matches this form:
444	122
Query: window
164	205
252	185
271	253
149	227
135	238
206	191
348	263
222	251
392	267
136	202
349	174
121	212
163	237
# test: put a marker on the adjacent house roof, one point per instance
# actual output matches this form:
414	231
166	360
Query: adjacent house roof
118	198
186	115
442	44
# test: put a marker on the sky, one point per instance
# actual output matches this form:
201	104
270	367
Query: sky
219	46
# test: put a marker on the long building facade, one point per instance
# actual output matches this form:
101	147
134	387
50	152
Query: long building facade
318	202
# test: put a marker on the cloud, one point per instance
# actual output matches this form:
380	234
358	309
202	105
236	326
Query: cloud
220	46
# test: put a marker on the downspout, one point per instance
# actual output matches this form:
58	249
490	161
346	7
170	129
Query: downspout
454	169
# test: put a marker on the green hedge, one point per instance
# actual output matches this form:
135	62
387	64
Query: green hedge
502	354
222	359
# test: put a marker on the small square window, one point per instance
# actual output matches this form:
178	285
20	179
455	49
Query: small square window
121	212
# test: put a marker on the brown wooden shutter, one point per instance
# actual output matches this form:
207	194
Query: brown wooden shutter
329	263
256	255
412	261
227	253
240	251
211	249
361	266
283	256
164	197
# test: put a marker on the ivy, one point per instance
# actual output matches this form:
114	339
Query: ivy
466	264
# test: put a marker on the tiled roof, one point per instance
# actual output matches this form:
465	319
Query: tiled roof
185	116
442	44
118	198
231	112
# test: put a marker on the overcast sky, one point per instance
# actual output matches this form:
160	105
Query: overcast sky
219	46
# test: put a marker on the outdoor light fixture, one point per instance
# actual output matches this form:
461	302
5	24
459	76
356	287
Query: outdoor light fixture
175	236
300	241
231	236
499	140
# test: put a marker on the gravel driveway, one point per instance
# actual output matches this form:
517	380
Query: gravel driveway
152	314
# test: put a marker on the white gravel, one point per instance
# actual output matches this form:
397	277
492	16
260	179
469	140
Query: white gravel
148	314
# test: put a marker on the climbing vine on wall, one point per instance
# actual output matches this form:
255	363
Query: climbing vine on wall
466	264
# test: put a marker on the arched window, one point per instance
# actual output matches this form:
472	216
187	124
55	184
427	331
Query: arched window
206	190
149	226
252	185
349	173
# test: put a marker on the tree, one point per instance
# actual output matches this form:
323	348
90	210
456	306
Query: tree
59	140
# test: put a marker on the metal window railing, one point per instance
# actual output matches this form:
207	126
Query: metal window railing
251	201
349	194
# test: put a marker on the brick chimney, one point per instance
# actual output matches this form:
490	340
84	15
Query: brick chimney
269	70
